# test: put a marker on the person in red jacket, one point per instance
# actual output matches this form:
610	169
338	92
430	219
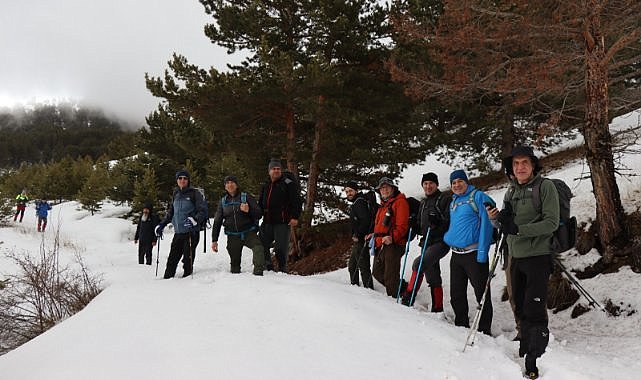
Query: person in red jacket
390	235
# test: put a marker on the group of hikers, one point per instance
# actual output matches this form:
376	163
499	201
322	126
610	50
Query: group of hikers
42	210
464	223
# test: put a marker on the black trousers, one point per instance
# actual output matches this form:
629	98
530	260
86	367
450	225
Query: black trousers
145	249
530	276
431	267
180	245
463	267
359	260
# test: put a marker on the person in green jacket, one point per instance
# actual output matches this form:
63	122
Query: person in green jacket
21	205
529	239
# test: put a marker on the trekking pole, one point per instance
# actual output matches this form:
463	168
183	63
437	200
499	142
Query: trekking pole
477	317
158	239
420	265
191	258
574	281
407	251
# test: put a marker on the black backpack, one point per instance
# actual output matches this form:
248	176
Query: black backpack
372	206
414	224
564	238
203	226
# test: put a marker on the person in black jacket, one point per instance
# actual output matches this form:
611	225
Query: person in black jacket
187	212
145	235
281	205
434	220
239	213
361	219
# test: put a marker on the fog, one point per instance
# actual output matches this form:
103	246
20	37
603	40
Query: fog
96	53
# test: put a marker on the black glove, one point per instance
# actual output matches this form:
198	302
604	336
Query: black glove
434	220
506	219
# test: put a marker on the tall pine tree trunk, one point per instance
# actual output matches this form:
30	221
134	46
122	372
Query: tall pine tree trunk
314	167
598	141
292	166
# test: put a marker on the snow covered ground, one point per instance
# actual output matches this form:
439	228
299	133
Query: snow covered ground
216	325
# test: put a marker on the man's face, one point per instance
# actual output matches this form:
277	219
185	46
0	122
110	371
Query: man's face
275	173
429	187
350	193
182	181
231	187
523	168
145	210
459	186
386	191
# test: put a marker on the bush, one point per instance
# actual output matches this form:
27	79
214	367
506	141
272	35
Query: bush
41	294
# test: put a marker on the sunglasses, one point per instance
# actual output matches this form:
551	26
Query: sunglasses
182	177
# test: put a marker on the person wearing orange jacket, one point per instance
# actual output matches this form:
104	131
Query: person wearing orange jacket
390	235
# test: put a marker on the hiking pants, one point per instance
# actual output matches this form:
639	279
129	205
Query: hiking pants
431	267
144	252
278	233
235	244
19	211
359	260
180	249
42	223
530	276
463	267
387	267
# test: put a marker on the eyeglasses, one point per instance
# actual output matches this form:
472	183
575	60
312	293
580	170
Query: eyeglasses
182	177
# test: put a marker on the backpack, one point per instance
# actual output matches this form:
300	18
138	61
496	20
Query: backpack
372	206
414	224
203	226
564	238
243	199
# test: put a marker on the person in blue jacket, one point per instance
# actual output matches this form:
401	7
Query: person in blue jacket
42	211
187	213
469	238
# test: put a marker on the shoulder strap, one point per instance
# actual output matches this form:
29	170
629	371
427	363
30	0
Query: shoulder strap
536	194
472	202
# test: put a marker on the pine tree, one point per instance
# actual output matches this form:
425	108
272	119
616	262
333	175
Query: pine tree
94	190
146	190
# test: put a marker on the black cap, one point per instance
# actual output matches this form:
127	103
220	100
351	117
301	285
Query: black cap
521	150
230	178
182	173
352	185
430	177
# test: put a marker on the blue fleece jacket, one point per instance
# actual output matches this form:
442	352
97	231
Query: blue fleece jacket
468	227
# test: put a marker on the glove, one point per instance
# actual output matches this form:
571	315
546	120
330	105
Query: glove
506	219
159	229
190	223
434	220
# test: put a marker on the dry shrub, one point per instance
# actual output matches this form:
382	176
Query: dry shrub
41	294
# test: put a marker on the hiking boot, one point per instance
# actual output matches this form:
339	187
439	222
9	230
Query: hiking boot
187	274
406	300
531	371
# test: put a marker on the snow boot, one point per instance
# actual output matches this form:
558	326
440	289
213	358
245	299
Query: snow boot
531	372
437	299
407	297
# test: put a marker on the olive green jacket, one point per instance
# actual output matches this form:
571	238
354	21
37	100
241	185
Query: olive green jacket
535	229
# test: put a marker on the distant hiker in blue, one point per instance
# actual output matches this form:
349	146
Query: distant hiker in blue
187	212
239	213
42	211
145	234
469	237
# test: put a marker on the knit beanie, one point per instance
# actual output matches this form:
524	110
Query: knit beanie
182	173
352	185
430	177
230	178
274	163
459	174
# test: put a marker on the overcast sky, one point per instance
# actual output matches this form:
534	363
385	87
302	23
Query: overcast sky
97	51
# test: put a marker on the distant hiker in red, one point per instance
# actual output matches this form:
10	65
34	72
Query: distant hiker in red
390	235
21	201
434	220
42	211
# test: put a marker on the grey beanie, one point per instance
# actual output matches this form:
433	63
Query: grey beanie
274	163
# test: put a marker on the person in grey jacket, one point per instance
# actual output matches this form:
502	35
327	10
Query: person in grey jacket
187	212
239	213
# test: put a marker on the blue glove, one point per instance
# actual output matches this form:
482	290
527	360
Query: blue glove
191	223
159	229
